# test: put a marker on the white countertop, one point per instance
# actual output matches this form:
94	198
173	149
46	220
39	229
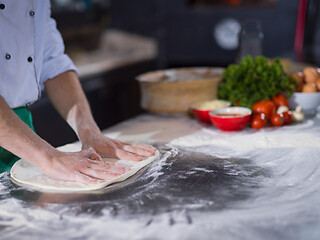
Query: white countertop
208	184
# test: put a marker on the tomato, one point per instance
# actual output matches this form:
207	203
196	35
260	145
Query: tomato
287	117
277	119
280	100
265	106
258	121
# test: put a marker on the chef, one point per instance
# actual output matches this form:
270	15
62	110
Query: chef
32	59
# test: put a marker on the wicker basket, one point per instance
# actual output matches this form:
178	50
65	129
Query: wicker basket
174	90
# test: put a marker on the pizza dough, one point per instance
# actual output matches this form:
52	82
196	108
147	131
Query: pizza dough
30	175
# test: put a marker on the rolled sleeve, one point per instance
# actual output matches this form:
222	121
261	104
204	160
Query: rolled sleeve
55	61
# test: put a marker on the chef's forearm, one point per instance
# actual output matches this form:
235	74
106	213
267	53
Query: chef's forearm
67	96
18	138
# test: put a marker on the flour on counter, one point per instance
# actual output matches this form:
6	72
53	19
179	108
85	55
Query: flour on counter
246	141
207	184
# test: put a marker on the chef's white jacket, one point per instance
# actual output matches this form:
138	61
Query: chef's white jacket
31	50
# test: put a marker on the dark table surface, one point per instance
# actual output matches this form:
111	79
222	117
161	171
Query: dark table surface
212	186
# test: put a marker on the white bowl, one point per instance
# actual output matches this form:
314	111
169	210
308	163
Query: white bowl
308	101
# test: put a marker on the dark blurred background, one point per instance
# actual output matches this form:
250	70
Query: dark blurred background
184	33
192	32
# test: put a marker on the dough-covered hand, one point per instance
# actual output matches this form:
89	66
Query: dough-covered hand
107	147
85	166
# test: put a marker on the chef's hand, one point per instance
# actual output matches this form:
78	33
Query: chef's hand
85	166
107	147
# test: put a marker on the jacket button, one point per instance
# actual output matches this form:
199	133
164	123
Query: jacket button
30	59
31	13
2	6
8	56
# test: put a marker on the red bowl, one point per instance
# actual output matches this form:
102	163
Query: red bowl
202	114
230	118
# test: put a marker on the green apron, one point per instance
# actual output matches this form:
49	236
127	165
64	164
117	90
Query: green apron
7	159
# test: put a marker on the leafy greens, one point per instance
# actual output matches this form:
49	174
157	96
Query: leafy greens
254	79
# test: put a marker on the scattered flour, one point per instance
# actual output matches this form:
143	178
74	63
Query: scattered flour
246	141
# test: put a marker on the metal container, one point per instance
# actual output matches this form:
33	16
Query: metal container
174	90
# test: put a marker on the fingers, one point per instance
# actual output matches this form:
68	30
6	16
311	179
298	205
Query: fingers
121	150
145	147
85	167
138	151
90	171
99	174
138	145
85	179
92	175
106	166
91	154
89	168
122	154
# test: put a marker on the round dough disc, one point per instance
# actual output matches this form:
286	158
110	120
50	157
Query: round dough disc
25	173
